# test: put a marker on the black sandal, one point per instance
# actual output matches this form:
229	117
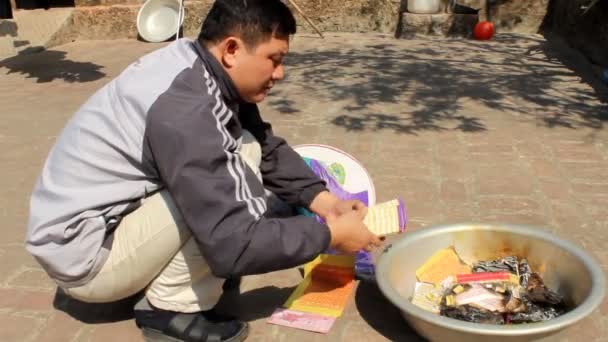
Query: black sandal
158	326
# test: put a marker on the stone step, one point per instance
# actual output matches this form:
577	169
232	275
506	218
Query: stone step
117	19
89	3
120	21
442	24
31	30
6	46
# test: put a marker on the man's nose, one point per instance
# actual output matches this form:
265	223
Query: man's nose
279	73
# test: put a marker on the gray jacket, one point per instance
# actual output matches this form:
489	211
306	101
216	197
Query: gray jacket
171	120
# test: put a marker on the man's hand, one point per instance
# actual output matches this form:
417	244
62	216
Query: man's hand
343	207
328	206
349	234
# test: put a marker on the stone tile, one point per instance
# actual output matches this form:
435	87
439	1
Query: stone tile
507	186
453	191
61	328
14	257
585	174
570	167
451	150
421	211
490	158
594	210
363	147
483	142
555	190
405	146
12	234
107	332
358	332
416	223
567	215
10	298
532	219
507	149
587	330
451	213
18	328
8	269
417	190
499	171
17	299
530	149
573	145
389	189
584	189
579	156
505	204
408	157
543	168
454	169
412	170
33	278
333	141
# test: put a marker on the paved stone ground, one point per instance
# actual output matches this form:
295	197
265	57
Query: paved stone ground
497	131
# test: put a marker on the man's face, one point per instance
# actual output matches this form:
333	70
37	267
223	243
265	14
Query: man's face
255	71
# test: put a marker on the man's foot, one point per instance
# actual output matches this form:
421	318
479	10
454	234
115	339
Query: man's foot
160	325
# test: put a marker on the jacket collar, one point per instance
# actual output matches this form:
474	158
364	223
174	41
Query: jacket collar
227	88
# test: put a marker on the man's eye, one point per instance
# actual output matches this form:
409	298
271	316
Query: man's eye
277	61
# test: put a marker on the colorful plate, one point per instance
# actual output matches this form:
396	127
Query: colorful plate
356	178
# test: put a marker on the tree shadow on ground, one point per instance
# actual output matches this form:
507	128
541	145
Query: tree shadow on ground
49	65
432	80
381	315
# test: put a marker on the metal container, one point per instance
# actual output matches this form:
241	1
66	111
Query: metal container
157	20
565	268
424	6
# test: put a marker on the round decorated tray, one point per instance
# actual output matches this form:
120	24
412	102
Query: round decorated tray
347	170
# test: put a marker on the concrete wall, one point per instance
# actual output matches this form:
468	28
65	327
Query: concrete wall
113	19
518	16
120	21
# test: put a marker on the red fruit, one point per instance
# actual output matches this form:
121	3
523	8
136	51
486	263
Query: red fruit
484	30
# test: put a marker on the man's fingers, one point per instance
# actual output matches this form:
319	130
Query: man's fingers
376	241
350	205
362	212
358	205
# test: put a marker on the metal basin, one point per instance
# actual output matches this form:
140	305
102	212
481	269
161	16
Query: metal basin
157	20
564	267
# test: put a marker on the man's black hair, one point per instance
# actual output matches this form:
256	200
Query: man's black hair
254	21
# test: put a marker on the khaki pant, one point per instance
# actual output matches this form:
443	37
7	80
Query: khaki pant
152	248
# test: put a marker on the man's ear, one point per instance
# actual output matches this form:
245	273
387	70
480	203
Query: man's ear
231	47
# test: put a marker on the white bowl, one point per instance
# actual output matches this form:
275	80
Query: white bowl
157	20
424	6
